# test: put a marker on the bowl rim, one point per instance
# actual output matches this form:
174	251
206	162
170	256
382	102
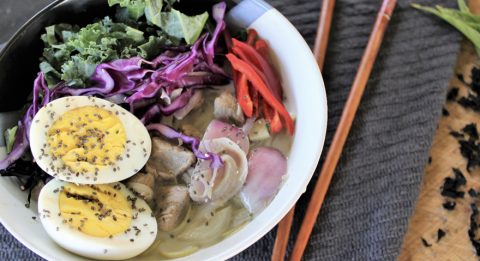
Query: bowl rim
227	254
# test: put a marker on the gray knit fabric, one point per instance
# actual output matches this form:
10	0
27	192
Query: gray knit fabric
376	183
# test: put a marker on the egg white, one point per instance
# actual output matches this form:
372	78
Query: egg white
139	144
118	247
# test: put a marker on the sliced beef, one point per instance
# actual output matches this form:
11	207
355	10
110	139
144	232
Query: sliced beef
227	109
173	203
167	161
144	185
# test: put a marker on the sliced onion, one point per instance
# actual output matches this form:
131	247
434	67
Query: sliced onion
219	185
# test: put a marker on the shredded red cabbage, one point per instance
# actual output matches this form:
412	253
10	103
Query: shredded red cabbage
20	145
177	104
177	67
218	14
216	161
116	77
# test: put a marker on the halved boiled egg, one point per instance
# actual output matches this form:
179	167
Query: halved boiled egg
105	221
88	140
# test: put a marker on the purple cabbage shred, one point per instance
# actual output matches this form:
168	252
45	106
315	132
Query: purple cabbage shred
41	96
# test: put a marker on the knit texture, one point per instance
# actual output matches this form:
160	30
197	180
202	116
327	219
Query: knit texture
376	183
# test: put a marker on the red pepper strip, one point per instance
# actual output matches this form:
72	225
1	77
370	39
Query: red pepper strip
243	97
250	55
257	82
272	118
255	99
276	123
262	47
264	50
252	36
240	82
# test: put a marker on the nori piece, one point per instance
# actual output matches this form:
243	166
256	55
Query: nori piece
449	205
471	130
469	145
460	77
445	112
472	101
28	173
473	229
473	193
440	234
452	94
475	80
451	185
425	243
456	134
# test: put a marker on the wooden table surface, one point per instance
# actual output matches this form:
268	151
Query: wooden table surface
422	239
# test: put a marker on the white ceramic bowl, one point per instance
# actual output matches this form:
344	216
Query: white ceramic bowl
306	98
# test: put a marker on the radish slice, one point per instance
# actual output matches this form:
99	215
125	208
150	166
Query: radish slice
218	129
266	169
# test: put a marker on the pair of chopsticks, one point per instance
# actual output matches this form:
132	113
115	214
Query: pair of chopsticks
344	126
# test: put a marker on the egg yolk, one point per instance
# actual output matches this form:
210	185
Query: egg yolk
96	210
87	139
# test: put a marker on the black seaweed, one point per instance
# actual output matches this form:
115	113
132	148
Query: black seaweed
452	94
456	134
472	101
445	112
425	243
475	80
471	130
472	231
440	234
449	205
28	173
469	144
451	185
473	193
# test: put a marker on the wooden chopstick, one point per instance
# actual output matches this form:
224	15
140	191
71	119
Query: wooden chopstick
320	49
341	134
323	32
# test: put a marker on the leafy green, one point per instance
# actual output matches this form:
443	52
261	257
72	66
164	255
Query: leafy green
171	21
135	8
177	24
463	20
72	54
154	43
10	138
